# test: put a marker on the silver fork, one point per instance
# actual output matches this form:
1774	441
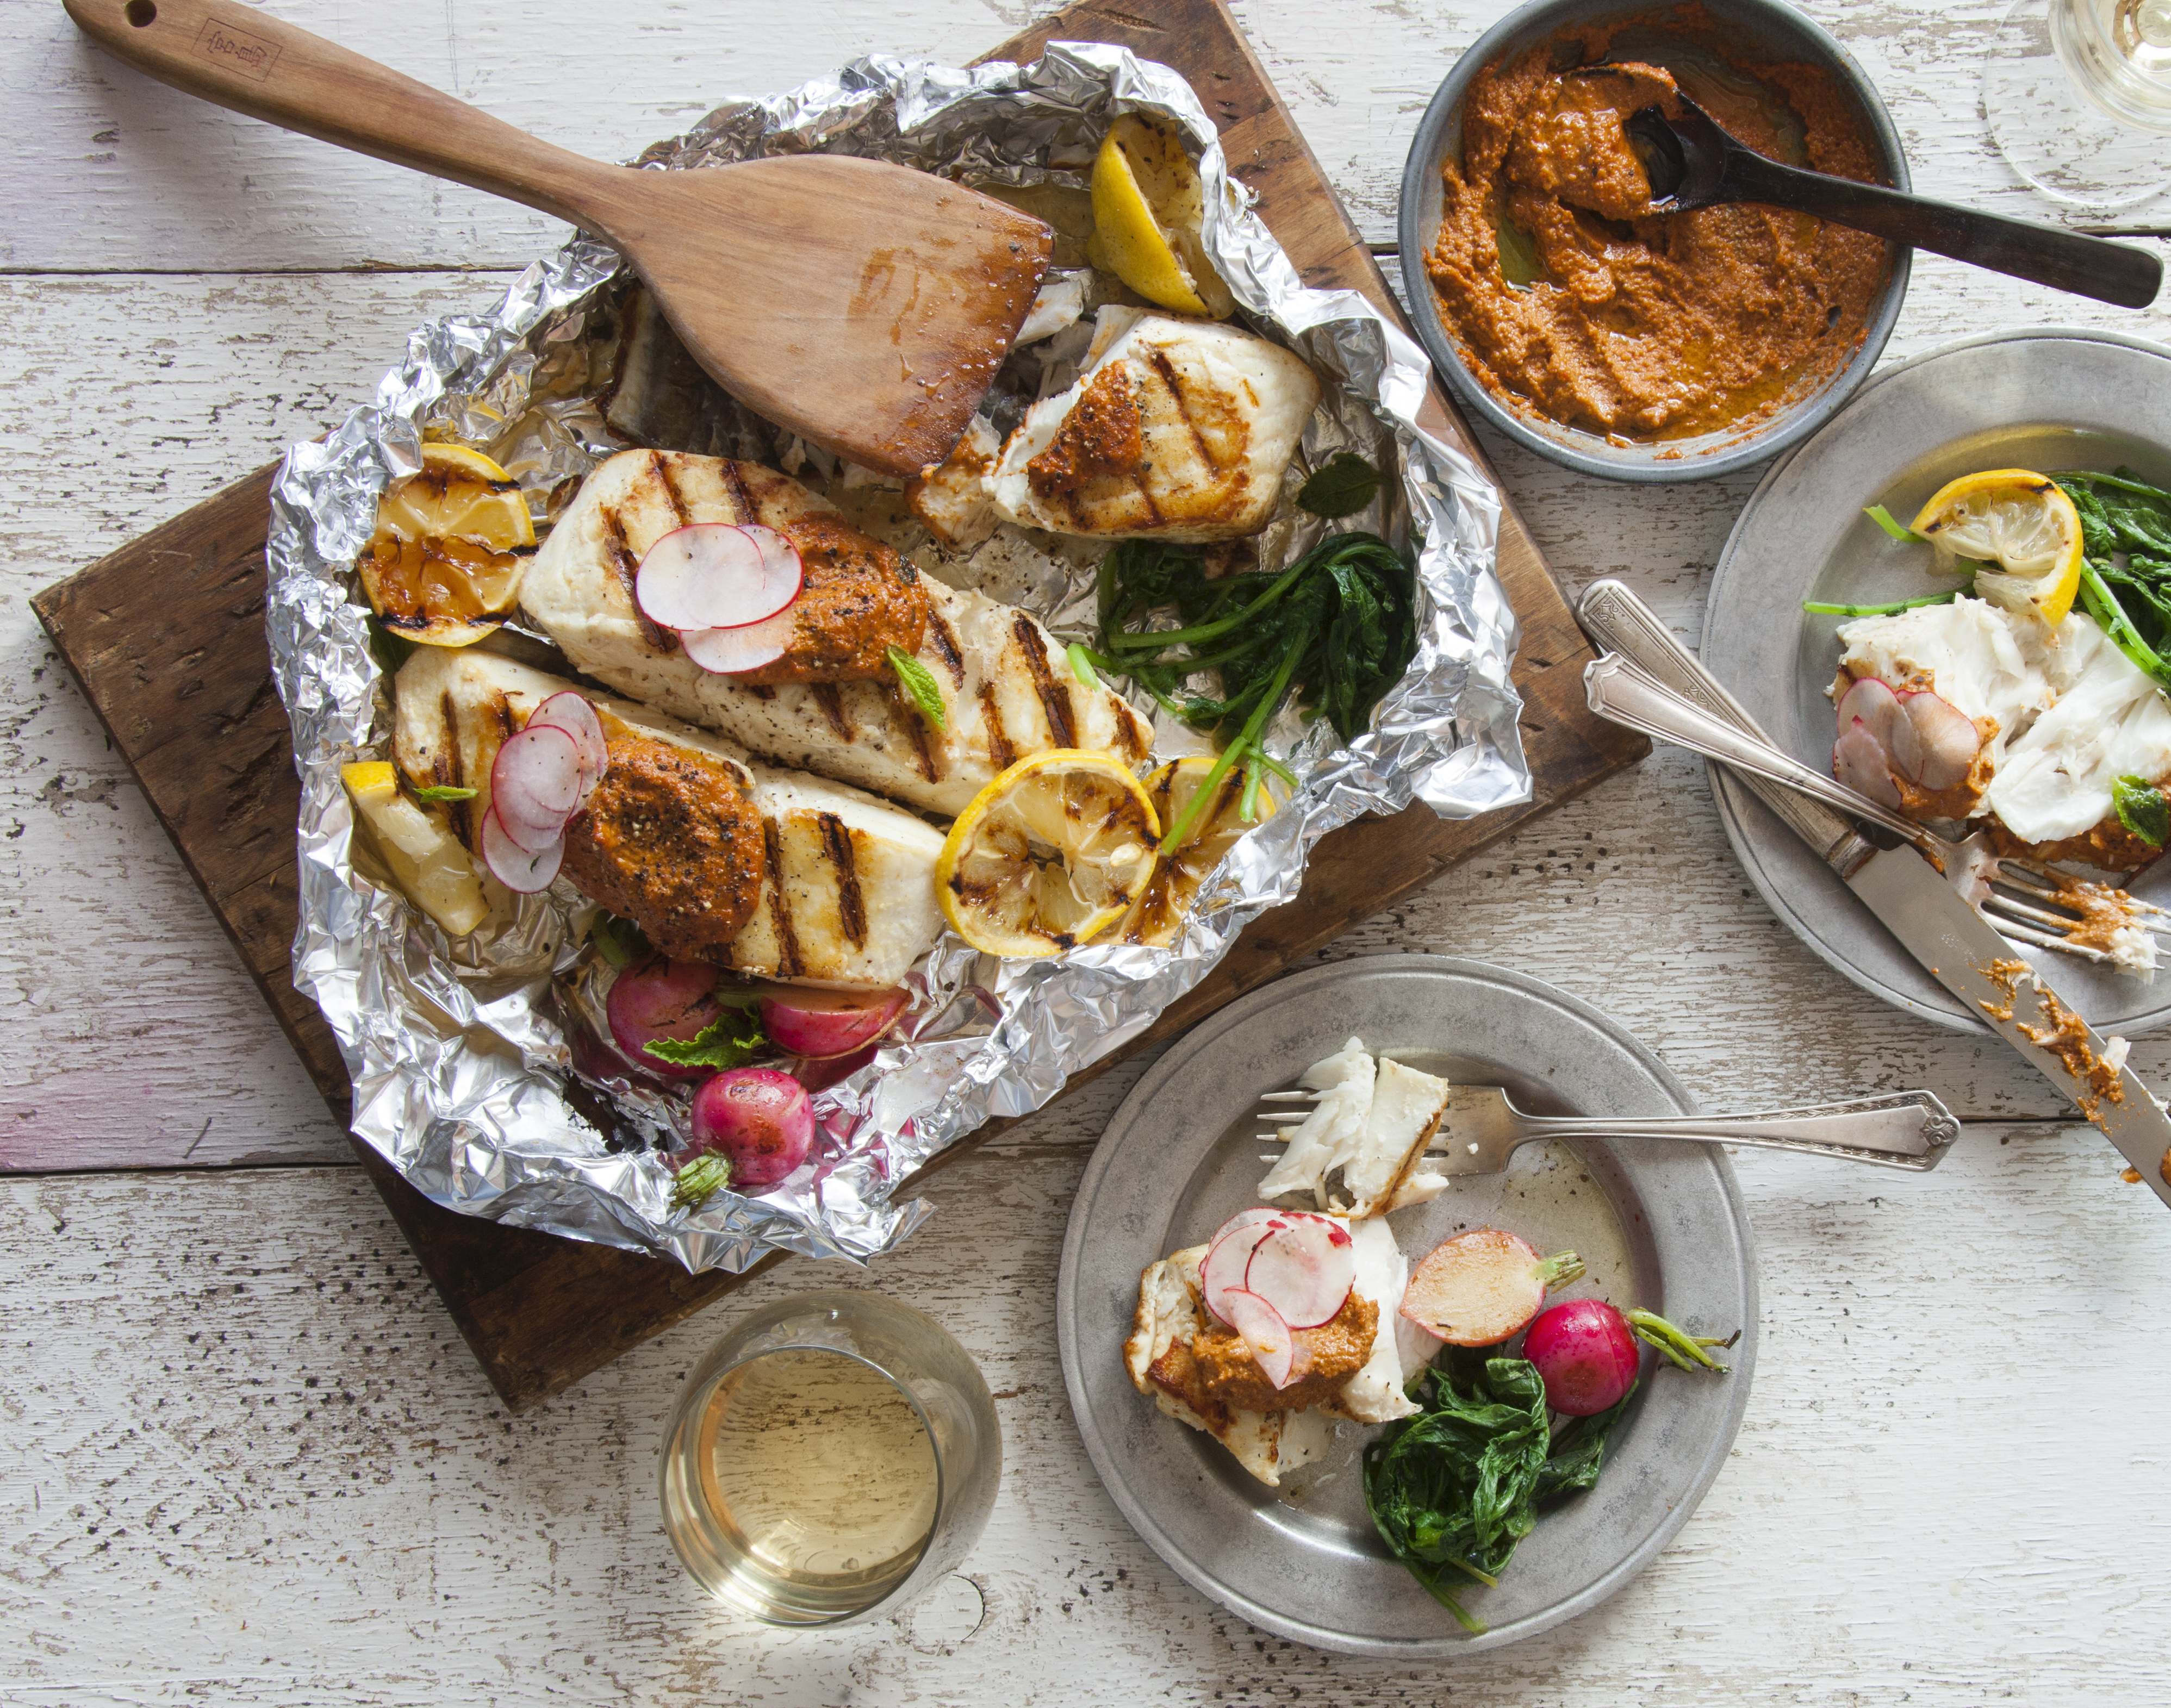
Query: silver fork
2026	900
1482	1128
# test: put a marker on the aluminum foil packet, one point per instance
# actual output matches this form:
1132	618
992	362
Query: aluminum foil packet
475	1065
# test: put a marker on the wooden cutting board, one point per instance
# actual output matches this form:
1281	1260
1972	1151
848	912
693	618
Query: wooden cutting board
166	637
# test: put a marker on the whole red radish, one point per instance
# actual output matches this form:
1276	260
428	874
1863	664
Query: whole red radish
1479	1288
662	998
757	1119
1586	1354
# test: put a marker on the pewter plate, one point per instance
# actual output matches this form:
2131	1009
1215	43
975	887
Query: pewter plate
1660	1225
2049	400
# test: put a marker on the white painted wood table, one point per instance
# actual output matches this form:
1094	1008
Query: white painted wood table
245	1459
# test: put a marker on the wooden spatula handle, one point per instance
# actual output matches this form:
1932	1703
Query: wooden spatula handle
238	56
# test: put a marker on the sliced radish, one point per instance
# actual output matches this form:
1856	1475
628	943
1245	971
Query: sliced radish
1860	763
818	1024
1272	1344
1877	708
1230	1256
1478	1288
1301	1270
518	869
535	785
1948	740
829	1070
734	651
1245	1218
571	712
712	574
779	561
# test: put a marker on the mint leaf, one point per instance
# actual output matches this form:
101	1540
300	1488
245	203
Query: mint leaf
620	942
731	1041
700	1181
2141	809
1884	518
439	792
1343	487
919	681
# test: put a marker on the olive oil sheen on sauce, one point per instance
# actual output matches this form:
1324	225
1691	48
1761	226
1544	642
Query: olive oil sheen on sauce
805	1489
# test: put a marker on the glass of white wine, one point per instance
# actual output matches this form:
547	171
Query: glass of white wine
2077	95
834	1455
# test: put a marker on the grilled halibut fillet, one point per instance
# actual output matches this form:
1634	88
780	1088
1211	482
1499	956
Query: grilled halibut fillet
847	886
1176	430
859	599
1171	1318
1266	1444
1007	689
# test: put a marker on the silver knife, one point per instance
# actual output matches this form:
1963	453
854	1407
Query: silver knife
1931	920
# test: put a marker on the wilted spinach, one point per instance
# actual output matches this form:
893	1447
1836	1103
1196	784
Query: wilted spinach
1336	628
2126	566
1454	1490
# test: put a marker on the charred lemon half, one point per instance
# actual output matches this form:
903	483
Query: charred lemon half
2018	520
1148	208
1179	872
1047	856
452	543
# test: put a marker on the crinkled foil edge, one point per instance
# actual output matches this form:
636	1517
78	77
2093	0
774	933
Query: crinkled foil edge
460	1058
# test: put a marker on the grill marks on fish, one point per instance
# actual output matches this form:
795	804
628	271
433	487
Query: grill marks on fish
946	643
661	469
1223	463
1055	696
905	716
741	498
851	906
1000	754
832	703
788	958
450	771
627	567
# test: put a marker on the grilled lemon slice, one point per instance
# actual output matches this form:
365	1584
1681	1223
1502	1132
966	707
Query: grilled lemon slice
2020	522
1177	874
1148	208
452	543
1049	855
423	859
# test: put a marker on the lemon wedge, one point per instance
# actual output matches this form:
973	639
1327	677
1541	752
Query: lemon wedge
452	543
2020	522
1049	855
1178	873
422	857
1148	208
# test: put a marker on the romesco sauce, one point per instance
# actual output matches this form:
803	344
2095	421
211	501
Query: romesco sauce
1569	299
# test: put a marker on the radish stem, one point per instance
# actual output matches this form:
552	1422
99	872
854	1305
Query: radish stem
1559	1269
1684	1350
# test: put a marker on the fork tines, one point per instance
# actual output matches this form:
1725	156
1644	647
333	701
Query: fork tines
2015	906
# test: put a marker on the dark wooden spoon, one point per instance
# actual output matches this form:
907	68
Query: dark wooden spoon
1692	162
864	306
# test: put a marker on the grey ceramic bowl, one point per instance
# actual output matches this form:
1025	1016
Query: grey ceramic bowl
1758	30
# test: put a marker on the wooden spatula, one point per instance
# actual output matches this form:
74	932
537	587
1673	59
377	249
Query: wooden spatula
864	306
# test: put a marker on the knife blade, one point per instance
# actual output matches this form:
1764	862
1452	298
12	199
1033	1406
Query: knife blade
1959	948
1932	921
